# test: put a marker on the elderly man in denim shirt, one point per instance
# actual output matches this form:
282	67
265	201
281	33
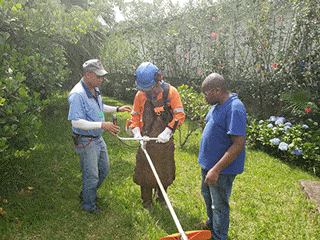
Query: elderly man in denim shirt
86	114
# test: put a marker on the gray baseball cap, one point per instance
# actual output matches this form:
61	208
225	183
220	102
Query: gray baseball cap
94	65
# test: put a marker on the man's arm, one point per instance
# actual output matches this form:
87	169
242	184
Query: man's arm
231	154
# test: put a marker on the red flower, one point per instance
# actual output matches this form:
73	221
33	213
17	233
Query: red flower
280	19
186	55
264	44
275	65
200	72
215	35
308	110
220	64
259	51
178	57
213	18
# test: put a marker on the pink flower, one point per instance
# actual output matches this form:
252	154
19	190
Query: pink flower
133	67
215	35
213	18
280	19
178	57
186	55
200	72
275	65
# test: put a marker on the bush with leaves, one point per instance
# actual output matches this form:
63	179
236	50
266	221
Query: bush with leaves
297	143
195	108
266	49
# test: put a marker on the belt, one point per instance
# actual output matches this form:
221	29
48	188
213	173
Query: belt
87	136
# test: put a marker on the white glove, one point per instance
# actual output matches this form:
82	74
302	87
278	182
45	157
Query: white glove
129	131
164	136
136	133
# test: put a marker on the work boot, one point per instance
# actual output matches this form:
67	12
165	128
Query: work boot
148	205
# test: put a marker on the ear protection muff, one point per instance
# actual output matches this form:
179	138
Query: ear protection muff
157	77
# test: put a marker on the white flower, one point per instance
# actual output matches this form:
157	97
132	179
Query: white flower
283	146
275	141
10	71
261	121
270	125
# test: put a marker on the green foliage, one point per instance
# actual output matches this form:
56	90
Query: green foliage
40	43
265	49
40	189
301	141
195	109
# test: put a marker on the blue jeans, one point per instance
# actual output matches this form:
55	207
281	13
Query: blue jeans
216	197
95	166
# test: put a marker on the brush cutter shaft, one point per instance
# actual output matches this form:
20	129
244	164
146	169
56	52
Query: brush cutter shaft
145	139
174	216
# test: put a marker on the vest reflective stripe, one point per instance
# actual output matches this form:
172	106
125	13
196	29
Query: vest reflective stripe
135	113
178	110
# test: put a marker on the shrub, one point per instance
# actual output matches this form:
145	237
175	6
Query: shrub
297	143
195	108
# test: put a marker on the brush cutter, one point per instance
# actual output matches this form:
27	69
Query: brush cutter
189	235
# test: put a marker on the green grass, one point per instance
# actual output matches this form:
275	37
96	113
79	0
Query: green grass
266	202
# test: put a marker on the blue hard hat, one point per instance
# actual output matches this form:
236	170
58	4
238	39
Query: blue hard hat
146	76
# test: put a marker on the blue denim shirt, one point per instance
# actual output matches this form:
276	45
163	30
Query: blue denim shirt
84	105
222	122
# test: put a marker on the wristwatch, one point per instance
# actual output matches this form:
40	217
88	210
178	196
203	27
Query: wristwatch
118	108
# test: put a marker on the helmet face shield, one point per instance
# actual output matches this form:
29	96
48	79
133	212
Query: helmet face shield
146	76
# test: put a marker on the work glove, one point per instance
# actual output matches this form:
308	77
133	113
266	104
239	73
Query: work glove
136	133
164	136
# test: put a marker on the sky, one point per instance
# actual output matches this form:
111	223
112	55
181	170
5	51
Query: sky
119	17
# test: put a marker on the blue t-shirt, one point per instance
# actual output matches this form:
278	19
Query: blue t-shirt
221	122
84	105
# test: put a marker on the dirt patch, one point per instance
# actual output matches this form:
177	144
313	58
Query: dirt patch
312	191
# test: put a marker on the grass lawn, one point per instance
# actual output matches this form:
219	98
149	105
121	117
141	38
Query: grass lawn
39	193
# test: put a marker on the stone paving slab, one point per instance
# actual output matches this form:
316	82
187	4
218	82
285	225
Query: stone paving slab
312	190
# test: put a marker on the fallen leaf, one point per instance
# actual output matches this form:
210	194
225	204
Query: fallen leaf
30	188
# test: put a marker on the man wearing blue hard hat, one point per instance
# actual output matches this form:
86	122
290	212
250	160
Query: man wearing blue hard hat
157	105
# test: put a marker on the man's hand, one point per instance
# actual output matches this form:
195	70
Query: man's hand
212	177
125	109
110	127
164	136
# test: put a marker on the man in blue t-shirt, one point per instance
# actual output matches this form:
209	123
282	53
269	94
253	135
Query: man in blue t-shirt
222	152
86	114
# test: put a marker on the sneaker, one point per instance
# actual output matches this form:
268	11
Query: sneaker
202	226
81	197
95	211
